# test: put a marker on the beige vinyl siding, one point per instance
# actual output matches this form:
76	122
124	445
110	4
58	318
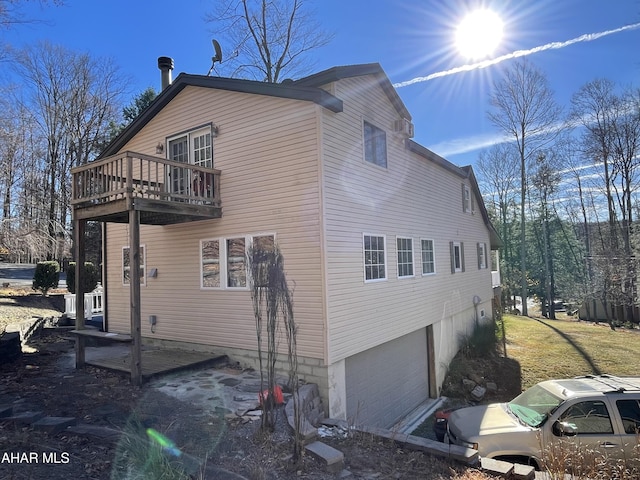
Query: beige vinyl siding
267	151
413	198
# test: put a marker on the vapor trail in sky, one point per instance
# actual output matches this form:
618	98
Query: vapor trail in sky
588	37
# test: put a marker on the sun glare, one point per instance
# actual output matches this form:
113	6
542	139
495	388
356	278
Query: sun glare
479	34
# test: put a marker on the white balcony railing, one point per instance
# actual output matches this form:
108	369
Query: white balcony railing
93	303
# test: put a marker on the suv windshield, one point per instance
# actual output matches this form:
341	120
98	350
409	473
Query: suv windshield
533	405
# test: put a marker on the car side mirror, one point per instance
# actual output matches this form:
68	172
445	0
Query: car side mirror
565	429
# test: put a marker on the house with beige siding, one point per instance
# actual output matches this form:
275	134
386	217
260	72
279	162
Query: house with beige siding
387	243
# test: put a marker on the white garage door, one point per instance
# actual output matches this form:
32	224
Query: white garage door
386	382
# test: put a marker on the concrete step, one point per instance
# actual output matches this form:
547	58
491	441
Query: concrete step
332	458
509	470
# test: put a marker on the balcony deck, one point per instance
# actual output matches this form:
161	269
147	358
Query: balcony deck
163	191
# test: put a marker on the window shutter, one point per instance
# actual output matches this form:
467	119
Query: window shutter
473	204
462	255
453	260
464	199
479	251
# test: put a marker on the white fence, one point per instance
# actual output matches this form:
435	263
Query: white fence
92	303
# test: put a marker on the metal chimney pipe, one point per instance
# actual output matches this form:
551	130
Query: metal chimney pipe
165	64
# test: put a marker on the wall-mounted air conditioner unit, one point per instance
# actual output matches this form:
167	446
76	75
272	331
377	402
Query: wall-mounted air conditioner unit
404	127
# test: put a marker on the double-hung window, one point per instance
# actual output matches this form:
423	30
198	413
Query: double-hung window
482	255
457	256
405	257
195	148
428	257
374	258
375	145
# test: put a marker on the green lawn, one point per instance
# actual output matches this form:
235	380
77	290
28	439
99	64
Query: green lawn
565	348
541	349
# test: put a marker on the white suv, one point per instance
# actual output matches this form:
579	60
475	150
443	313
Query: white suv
596	413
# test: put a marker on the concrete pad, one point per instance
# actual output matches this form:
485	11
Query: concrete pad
332	458
53	424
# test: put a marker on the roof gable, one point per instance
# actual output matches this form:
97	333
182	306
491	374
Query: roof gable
337	73
288	90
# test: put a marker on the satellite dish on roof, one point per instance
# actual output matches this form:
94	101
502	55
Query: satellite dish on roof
217	57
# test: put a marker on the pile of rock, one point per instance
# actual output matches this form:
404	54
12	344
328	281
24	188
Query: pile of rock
477	387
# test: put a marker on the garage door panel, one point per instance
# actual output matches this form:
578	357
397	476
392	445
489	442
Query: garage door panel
386	382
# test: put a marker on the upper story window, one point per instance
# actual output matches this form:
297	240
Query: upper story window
482	255
457	257
467	199
428	257
405	256
193	147
374	258
375	145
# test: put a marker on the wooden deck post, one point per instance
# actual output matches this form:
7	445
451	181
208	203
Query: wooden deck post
134	283
79	254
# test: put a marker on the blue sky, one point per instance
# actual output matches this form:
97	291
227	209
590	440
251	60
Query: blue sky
409	38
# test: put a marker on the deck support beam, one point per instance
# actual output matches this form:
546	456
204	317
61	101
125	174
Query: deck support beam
79	228
134	284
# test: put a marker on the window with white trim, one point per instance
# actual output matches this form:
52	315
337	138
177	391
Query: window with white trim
195	147
467	199
375	145
374	258
428	256
223	261
404	246
457	256
482	255
126	265
494	261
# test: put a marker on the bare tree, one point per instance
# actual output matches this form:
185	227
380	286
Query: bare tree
10	13
498	174
525	110
273	305
269	39
72	98
611	138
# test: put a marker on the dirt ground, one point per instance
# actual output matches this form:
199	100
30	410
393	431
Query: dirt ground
210	446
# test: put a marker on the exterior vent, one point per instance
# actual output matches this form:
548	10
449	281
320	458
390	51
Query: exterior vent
404	127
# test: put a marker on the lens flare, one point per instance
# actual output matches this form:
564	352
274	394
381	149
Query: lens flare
164	442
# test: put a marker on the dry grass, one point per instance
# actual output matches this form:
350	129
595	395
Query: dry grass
548	349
